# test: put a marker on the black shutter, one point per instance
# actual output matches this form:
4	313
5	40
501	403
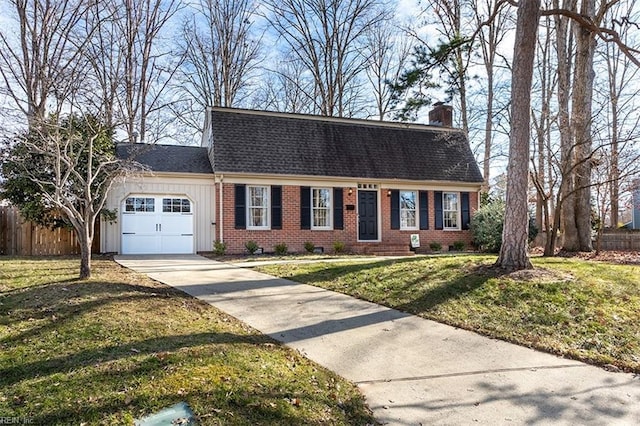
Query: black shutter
465	211
423	199
241	206
437	200
305	207
395	209
338	218
276	207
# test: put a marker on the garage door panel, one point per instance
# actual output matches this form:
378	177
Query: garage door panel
139	223
177	224
176	244
140	244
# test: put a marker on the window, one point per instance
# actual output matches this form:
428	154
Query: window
258	207
321	208
139	204
176	205
450	210
408	210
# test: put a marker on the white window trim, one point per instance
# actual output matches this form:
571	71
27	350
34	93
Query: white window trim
266	227
175	198
416	210
458	212
329	226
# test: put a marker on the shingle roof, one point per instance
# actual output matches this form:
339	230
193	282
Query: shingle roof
167	158
277	143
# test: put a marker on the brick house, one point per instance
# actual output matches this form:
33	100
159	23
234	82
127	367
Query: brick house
287	178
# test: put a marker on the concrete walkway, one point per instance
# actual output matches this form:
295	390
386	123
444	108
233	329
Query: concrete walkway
411	370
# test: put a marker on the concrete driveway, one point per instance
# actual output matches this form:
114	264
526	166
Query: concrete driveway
412	371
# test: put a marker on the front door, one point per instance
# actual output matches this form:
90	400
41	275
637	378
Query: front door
367	215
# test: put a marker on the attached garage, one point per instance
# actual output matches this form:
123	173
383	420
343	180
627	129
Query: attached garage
167	209
157	224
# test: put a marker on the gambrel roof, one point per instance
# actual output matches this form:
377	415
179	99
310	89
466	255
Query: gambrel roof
245	141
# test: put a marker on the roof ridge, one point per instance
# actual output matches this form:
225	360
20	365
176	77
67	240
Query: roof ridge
341	120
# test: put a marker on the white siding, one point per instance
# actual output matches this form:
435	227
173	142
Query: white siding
198	188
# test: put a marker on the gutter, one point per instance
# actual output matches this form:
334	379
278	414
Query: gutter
220	218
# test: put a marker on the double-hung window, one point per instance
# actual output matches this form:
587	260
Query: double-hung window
450	210
408	207
257	207
321	208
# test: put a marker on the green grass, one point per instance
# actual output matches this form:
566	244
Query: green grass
120	346
579	309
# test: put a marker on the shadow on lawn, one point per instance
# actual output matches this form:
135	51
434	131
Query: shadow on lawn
84	358
62	301
412	296
51	306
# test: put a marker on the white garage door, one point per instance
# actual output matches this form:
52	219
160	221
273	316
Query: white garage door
157	224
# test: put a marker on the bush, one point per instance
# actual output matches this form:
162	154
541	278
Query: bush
309	247
486	226
219	248
338	247
251	246
281	249
434	246
458	245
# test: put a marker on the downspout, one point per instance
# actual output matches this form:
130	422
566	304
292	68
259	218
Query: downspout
220	218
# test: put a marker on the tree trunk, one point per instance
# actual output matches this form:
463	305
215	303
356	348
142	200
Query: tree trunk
85	238
85	260
565	200
513	253
488	134
582	100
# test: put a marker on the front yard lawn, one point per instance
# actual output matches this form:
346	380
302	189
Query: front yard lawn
120	346
580	309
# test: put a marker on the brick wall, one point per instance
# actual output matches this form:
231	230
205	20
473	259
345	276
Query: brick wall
294	237
445	238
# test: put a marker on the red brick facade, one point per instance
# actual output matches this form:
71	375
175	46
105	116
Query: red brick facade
294	237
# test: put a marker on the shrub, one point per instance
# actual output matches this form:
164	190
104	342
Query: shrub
251	246
281	249
219	248
458	245
486	226
338	247
309	247
435	246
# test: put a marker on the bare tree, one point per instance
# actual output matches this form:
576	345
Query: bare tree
454	53
513	252
543	175
327	37
623	118
286	88
222	51
574	201
490	38
146	72
36	65
386	51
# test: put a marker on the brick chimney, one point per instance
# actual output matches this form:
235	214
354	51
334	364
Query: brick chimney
441	115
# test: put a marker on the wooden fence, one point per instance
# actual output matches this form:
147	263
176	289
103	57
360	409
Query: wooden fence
24	238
